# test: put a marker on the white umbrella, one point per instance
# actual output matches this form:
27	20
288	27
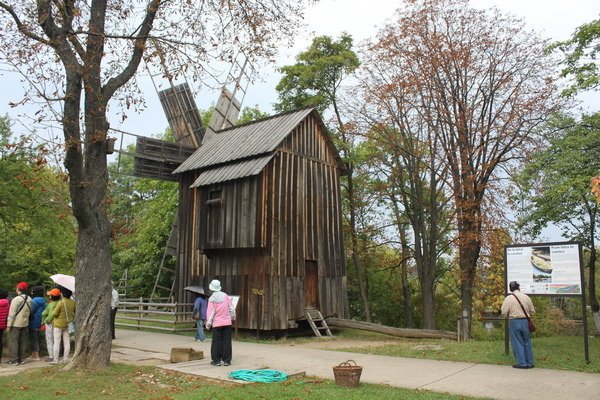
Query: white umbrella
66	281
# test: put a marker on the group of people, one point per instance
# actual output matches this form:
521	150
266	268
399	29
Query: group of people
28	314
216	313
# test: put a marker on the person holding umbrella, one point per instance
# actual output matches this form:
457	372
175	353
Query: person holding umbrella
220	314
63	313
200	306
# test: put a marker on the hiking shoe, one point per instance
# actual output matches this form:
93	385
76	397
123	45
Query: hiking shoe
227	364
54	362
22	362
520	366
215	364
12	362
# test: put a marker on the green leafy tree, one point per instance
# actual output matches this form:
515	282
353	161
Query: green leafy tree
555	188
250	114
317	76
37	230
581	57
413	183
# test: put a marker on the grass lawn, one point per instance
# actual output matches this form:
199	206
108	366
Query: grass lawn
556	352
141	383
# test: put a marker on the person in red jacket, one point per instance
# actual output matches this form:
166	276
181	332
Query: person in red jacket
4	307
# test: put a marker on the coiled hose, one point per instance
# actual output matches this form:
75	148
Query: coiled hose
258	375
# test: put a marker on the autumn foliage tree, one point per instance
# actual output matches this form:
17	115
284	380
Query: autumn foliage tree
482	84
81	56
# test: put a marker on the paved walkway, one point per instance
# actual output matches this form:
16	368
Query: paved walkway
469	379
481	380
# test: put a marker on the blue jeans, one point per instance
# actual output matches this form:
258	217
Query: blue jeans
520	340
200	330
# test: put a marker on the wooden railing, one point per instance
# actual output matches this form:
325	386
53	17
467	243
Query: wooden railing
142	314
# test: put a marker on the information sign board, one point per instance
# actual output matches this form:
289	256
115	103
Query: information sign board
546	268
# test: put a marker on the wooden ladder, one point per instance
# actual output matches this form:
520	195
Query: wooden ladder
317	322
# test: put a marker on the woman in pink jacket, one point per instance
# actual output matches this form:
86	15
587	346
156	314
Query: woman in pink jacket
4	307
219	315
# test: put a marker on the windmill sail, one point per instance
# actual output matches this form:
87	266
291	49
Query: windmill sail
182	114
225	114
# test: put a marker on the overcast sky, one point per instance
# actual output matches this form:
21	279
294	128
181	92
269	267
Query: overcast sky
554	19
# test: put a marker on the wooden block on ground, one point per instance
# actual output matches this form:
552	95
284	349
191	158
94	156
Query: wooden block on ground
181	354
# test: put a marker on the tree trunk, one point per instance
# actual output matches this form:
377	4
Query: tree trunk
360	274
406	295
92	318
469	246
468	255
390	330
593	301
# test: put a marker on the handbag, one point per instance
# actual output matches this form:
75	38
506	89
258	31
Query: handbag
70	324
530	323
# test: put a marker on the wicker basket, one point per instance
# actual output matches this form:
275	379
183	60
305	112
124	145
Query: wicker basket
347	374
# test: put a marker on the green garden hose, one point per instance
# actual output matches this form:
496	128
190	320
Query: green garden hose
258	375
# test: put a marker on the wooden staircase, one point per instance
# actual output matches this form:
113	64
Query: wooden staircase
317	322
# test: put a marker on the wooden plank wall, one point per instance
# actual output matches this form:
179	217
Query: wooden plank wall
190	267
238	215
306	224
273	223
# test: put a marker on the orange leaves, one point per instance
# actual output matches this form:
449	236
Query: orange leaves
595	187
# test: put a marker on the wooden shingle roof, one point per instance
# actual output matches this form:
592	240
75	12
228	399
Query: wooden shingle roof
232	171
244	141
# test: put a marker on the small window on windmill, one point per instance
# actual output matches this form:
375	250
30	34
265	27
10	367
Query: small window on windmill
214	217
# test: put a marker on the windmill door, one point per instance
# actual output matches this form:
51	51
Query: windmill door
311	285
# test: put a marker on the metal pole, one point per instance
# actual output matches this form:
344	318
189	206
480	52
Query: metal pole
506	335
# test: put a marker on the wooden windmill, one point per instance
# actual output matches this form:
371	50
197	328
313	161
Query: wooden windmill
157	159
259	209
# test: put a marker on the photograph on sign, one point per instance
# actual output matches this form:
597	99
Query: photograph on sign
552	268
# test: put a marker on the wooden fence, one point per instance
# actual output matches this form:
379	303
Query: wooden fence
158	316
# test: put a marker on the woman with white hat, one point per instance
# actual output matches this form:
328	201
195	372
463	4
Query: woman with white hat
220	314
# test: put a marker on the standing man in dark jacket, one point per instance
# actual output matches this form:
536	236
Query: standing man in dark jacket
38	305
200	306
18	322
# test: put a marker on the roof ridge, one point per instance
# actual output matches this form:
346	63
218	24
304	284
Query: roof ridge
297	110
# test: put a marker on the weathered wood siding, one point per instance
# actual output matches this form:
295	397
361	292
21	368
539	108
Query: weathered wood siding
304	222
272	225
232	222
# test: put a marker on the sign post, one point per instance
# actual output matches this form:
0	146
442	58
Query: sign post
548	269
